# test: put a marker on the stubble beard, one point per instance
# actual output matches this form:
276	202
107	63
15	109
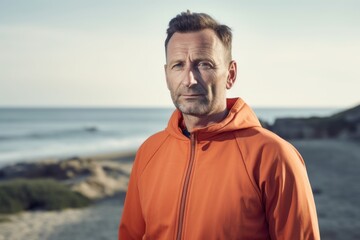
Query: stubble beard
198	107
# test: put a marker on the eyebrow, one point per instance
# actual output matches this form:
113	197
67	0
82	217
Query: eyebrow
199	59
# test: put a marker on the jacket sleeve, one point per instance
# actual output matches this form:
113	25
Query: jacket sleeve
287	195
132	224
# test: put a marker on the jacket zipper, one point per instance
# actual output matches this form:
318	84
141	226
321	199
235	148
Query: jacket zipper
186	187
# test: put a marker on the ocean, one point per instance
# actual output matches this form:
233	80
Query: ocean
28	134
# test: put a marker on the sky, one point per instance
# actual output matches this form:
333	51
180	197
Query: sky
89	53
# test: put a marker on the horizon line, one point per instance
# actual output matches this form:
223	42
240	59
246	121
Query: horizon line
155	107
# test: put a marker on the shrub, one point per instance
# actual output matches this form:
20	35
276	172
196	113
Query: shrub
45	194
4	219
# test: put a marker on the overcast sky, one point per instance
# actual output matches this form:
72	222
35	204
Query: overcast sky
111	53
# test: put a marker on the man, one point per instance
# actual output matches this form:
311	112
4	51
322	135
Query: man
214	172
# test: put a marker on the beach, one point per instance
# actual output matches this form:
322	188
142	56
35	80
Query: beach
332	167
98	221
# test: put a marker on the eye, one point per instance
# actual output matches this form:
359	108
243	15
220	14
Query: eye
177	66
204	65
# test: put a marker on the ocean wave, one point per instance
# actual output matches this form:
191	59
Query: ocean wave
52	134
63	150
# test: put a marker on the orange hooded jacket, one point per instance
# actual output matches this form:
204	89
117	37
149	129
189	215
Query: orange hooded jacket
230	180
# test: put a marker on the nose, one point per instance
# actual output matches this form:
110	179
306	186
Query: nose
189	78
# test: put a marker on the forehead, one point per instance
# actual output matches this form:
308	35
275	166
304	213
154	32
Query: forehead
194	43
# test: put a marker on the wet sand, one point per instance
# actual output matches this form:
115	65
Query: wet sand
333	168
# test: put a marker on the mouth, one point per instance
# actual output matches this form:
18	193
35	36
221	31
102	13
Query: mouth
192	96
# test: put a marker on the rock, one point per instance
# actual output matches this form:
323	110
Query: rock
59	170
264	124
296	128
342	125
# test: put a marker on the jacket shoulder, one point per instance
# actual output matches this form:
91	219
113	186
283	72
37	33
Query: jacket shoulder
154	141
263	150
148	149
262	139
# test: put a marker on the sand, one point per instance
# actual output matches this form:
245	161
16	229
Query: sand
98	222
333	168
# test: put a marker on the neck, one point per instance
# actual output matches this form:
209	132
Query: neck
194	122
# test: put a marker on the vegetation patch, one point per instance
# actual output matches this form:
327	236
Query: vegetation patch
38	194
4	219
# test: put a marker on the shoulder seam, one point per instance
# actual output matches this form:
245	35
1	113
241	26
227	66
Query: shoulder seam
152	155
256	189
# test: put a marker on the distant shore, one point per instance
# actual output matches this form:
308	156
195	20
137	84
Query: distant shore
332	167
113	155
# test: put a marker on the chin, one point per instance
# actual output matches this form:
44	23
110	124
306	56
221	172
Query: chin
198	110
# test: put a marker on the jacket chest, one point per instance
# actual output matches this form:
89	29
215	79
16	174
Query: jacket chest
217	186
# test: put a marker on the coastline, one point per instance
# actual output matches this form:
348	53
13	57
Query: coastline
78	223
125	155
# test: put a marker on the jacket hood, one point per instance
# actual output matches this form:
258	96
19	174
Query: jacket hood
240	116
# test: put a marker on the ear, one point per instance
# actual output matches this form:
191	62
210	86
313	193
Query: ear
232	71
166	76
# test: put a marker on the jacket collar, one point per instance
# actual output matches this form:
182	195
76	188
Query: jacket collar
240	116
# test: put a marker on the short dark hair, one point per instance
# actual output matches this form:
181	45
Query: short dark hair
193	22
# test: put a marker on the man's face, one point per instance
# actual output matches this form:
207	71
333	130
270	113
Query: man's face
198	72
